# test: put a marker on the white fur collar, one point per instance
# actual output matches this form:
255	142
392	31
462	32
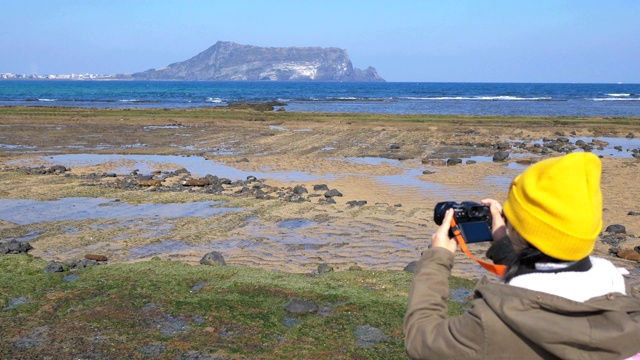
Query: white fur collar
603	278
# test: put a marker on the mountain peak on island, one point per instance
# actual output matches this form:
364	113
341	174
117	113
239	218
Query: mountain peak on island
229	61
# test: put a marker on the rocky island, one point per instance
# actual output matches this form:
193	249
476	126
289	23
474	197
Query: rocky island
229	61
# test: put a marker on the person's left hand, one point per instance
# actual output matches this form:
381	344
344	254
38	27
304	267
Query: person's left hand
441	237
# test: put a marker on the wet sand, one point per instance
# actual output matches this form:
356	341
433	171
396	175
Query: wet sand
377	159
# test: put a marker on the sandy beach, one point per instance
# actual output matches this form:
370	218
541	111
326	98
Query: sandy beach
389	170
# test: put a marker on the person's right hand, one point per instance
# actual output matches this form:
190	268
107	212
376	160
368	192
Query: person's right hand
498	225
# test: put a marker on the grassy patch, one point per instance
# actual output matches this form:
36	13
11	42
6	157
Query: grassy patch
132	310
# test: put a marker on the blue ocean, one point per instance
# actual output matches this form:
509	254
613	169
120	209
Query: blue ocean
508	99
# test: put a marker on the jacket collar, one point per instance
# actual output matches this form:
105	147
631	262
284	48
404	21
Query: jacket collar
600	278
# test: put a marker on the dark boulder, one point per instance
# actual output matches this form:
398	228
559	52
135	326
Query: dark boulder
81	264
368	336
332	193
301	307
58	169
613	239
324	268
244	190
328	200
213	258
454	161
54	267
356	203
300	190
502	146
500	156
616	229
14	247
320	187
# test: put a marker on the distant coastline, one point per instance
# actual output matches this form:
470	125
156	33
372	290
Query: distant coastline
87	76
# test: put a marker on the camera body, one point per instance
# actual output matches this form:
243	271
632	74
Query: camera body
473	219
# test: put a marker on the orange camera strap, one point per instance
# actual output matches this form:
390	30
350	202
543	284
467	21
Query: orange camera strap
493	268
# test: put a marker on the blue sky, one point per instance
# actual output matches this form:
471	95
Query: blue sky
457	41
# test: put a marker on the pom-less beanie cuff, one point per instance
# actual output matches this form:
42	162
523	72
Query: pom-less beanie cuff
556	205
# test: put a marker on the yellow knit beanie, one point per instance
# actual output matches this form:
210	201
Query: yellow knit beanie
556	205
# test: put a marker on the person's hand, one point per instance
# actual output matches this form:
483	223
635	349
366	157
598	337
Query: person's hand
441	237
498	226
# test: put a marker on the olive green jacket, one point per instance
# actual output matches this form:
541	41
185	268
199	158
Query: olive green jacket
508	322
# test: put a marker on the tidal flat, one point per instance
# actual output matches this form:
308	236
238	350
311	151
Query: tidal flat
168	186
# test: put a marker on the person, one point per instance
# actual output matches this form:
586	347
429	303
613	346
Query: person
554	301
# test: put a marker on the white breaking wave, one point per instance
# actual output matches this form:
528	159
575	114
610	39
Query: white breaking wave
482	98
619	95
616	99
47	100
213	100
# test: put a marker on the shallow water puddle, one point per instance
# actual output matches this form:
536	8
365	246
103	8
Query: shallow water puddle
146	164
409	178
15	147
25	212
371	160
162	248
296	223
372	245
147	229
156	127
281	128
31	235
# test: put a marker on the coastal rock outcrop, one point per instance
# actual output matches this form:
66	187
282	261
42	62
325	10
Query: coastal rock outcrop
14	247
228	61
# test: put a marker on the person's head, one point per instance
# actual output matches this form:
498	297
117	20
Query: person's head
556	206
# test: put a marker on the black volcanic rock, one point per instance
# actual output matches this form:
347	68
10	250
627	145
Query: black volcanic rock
228	61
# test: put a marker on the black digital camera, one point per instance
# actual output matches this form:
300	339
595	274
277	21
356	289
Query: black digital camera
473	219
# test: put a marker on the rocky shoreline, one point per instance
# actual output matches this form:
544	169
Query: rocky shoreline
337	191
